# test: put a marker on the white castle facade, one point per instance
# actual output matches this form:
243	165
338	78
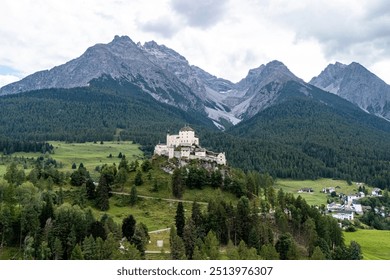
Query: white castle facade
185	145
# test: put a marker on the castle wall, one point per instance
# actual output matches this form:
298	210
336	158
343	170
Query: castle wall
186	140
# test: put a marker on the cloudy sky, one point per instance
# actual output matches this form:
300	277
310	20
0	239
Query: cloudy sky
224	37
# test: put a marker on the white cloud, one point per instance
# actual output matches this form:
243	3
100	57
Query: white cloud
163	26
200	13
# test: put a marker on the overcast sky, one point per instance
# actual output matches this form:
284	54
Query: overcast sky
225	38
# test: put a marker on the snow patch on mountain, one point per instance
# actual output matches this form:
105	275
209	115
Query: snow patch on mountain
217	115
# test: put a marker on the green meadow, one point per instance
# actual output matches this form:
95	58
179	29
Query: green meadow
375	244
89	153
316	197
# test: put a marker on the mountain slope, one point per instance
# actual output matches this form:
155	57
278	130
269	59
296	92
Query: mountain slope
210	89
121	59
93	113
357	85
331	136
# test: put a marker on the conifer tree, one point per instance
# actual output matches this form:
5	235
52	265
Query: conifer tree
128	227
138	181
176	245
211	246
177	183
102	194
189	238
133	195
77	253
180	219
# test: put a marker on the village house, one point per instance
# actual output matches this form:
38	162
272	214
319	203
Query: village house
344	216
185	145
306	190
376	192
335	207
328	190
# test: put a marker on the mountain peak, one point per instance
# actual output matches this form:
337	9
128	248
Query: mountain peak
122	39
162	52
356	84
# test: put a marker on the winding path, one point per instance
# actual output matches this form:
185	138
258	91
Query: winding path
164	199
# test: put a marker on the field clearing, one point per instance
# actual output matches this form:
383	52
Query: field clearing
89	153
375	244
164	236
155	214
315	198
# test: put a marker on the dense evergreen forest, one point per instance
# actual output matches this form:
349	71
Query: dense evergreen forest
300	138
8	146
47	214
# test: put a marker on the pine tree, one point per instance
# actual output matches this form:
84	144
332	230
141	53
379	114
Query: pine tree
354	251
102	194
77	253
177	183
180	219
189	238
90	187
133	195
176	245
89	248
128	227
286	247
211	246
197	218
318	254
140	238
138	179
268	252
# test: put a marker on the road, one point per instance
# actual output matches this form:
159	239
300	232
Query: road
159	198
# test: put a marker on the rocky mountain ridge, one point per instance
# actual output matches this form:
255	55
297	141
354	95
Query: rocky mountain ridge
169	78
356	84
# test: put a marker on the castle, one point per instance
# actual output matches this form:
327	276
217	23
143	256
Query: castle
185	145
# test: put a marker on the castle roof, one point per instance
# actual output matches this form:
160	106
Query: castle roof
186	128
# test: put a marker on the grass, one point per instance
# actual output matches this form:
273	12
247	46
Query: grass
315	198
3	169
154	237
89	153
155	214
375	244
10	253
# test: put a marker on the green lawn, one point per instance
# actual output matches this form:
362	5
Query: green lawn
315	198
375	244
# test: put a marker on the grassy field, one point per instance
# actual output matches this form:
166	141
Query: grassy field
156	214
317	197
90	154
375	244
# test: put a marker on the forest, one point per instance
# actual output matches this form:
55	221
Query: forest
298	138
48	214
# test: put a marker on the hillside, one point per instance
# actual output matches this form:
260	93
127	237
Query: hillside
62	215
334	139
307	134
92	114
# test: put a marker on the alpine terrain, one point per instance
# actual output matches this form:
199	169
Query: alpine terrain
358	85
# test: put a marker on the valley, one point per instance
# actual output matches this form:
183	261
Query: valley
156	206
80	177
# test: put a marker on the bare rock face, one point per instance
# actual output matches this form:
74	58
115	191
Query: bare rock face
356	84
